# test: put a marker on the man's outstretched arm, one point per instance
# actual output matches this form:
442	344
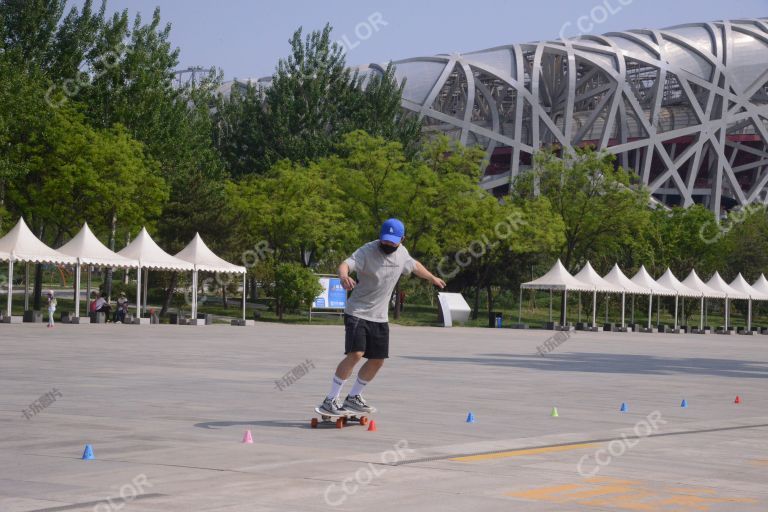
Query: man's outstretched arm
421	271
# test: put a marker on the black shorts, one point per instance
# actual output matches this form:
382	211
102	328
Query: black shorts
371	338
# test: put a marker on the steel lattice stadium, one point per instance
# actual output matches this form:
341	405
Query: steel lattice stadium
686	107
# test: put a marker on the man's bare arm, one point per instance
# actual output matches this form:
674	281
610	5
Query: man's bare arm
347	282
421	271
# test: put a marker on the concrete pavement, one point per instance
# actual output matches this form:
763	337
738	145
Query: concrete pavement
165	408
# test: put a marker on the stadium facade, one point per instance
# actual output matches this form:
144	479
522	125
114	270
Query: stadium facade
686	107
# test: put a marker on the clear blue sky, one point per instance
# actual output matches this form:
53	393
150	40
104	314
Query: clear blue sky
246	38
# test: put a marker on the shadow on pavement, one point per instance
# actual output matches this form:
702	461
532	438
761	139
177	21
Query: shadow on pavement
614	363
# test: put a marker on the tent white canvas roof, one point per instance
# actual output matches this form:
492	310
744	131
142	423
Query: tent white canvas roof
90	251
617	277
694	281
644	279
557	278
761	285
741	285
589	276
20	244
150	255
669	280
718	283
204	259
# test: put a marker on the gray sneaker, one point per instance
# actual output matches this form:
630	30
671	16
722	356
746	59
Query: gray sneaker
331	407
356	404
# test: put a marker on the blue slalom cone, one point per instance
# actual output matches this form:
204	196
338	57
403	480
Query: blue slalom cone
88	453
470	417
624	407
683	403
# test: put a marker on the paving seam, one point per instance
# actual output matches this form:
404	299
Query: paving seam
106	501
571	443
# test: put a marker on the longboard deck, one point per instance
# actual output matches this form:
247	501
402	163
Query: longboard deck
340	419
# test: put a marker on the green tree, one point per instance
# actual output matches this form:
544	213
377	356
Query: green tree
602	212
291	285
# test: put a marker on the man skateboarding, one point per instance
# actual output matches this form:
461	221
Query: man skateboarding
379	265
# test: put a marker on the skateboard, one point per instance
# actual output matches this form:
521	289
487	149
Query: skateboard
340	419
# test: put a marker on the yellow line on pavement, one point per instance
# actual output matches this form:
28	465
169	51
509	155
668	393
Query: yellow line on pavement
522	452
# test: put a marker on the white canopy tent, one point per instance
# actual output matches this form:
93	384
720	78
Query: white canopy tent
20	244
644	279
557	278
150	257
694	282
88	250
761	285
669	280
617	277
590	277
741	285
718	283
203	259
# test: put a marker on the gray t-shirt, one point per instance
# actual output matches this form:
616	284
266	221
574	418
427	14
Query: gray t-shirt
377	275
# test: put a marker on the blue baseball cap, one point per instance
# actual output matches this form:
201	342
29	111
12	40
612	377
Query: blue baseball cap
392	230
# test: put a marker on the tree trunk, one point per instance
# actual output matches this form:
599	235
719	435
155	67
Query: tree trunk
169	293
224	296
108	279
477	302
489	293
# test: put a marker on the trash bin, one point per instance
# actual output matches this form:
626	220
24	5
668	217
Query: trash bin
494	319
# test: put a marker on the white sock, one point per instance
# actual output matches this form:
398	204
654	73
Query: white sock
357	387
336	388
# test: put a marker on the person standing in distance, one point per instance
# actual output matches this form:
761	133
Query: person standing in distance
379	265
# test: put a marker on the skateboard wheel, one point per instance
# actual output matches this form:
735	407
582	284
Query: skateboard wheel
363	420
313	423
340	423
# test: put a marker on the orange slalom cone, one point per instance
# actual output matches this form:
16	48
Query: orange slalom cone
372	426
247	437
738	400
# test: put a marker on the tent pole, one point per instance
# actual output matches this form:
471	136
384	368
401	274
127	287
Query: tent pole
650	308
26	286
682	313
77	289
88	292
658	311
565	306
749	315
146	278
245	295
623	303
138	292
10	289
579	306
594	307
676	299
726	312
607	297
701	315
194	296
633	309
